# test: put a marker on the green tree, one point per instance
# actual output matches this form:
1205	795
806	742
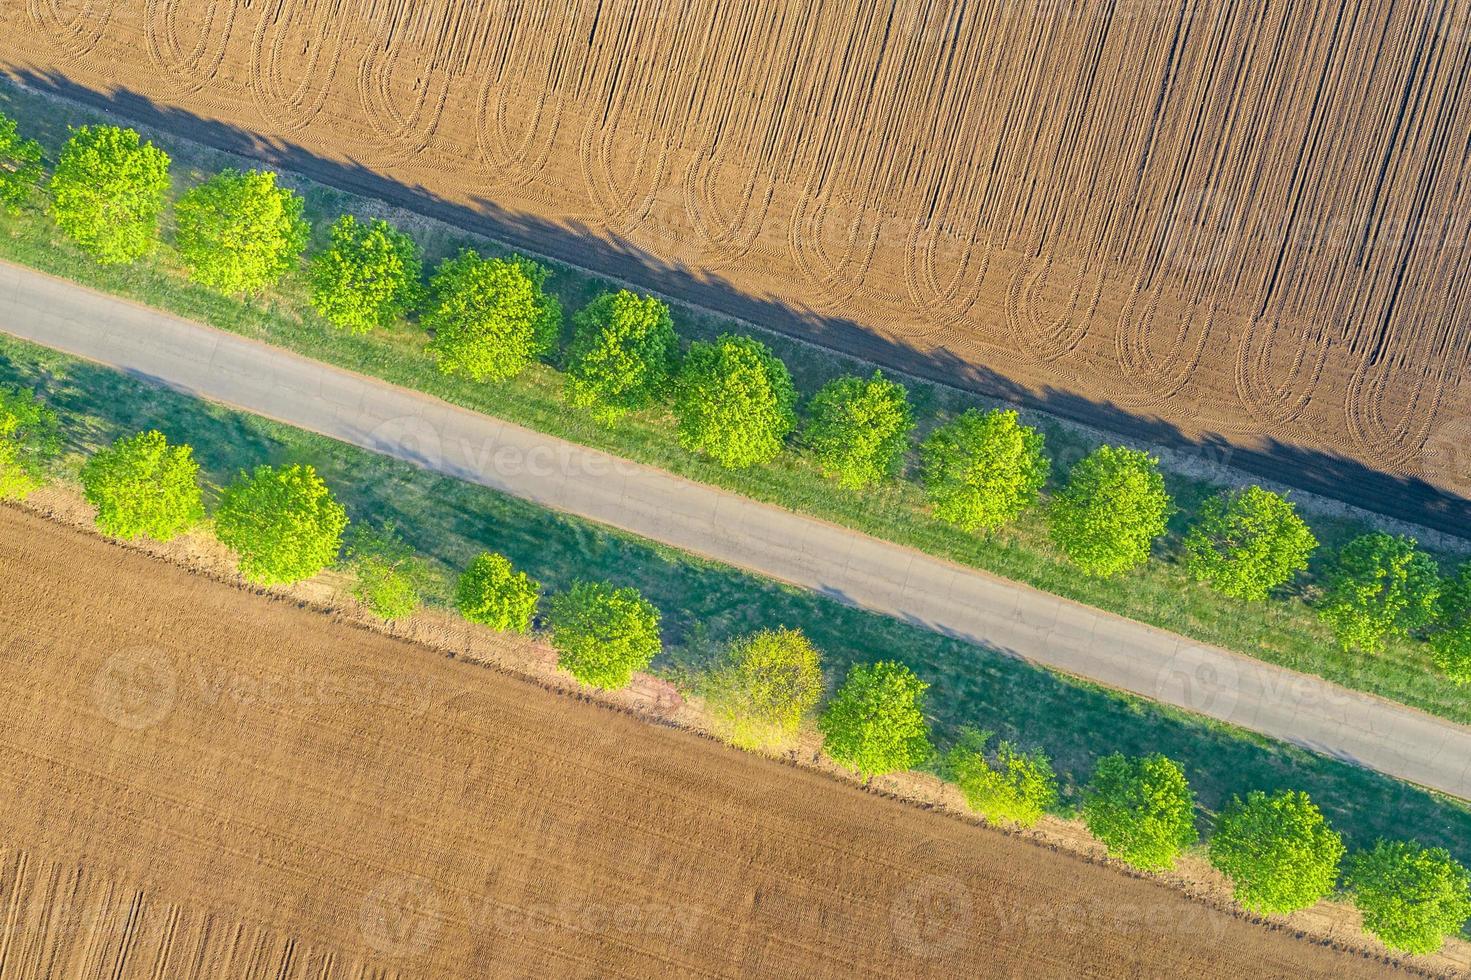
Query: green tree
492	593
875	723
29	440
20	165
142	486
734	401
1110	512
1142	809
603	634
858	428
108	191
238	232
1247	543
622	354
367	277
283	522
1450	642
770	681
490	317
1278	851
983	469
1412	897
388	577
1381	587
1015	786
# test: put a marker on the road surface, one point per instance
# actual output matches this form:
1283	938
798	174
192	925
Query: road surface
873	574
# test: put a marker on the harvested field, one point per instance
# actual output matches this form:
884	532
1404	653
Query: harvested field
204	782
1241	224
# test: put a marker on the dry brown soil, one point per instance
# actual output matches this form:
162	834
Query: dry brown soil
200	781
1241	220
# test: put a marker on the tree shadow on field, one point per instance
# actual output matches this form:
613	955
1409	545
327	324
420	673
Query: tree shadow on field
1329	474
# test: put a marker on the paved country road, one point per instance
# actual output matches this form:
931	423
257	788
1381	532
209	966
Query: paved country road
845	564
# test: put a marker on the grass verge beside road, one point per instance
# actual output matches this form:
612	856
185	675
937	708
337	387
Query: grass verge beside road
706	604
1282	632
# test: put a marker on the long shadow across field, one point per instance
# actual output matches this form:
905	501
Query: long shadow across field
1329	474
705	605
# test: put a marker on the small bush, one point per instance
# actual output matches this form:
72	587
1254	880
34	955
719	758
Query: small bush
28	442
858	429
772	679
1381	587
984	469
1412	897
368	277
604	634
1110	512
1141	809
238	232
875	723
1278	851
20	165
734	402
108	191
1247	543
1017	787
142	486
621	358
283	522
387	576
1450	642
492	593
490	317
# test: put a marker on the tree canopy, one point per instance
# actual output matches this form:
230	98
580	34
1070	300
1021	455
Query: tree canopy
1247	543
108	191
490	317
770	681
858	429
603	634
982	470
875	722
1450	642
367	277
1412	897
1113	507
388	577
283	522
1278	851
494	594
20	165
622	354
238	232
1016	787
1142	809
734	401
29	440
142	486
1381	587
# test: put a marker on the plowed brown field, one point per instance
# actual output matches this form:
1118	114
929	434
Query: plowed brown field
1202	218
201	782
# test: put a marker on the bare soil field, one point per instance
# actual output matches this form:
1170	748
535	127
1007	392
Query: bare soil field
204	782
1243	225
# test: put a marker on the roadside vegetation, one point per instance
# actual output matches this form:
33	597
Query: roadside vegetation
1285	826
1017	495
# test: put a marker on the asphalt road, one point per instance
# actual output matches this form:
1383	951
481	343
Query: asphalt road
873	574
